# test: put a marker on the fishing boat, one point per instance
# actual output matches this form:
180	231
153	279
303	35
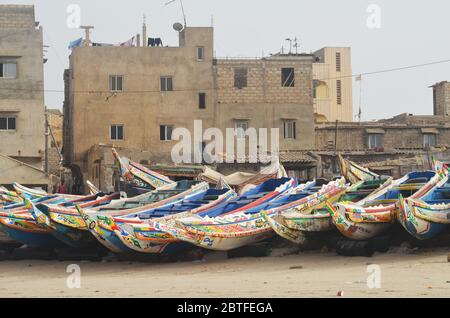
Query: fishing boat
35	193
20	224
155	240
67	225
429	215
132	233
138	178
376	213
29	192
294	224
354	172
9	197
248	226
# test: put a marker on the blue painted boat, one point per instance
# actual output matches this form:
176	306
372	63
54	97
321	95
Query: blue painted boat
120	232
21	224
428	215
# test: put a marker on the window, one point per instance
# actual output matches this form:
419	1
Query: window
166	84
8	70
7	123
116	83
202	100
241	127
200	53
289	130
240	77
338	61
429	140
288	77
116	132
339	92
320	90
165	132
375	141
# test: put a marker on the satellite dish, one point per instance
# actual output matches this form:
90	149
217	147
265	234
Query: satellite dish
178	27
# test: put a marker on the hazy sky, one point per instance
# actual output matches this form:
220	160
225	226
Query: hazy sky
412	32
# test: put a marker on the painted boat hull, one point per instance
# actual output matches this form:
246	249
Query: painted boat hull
232	235
148	238
27	233
240	229
359	231
411	216
375	214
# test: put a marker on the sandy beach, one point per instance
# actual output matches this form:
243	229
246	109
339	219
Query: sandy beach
426	274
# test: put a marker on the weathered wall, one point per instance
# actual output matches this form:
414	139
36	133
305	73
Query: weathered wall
21	43
90	108
141	107
441	96
265	103
397	135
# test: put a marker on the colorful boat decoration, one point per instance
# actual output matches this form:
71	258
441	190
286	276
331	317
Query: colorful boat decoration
429	215
376	213
138	176
294	224
146	237
68	226
20	224
249	226
138	234
168	195
354	172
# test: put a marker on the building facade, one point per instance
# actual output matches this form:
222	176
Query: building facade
441	99
333	84
21	85
134	98
402	132
392	146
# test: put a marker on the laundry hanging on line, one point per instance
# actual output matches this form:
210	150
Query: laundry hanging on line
154	42
75	43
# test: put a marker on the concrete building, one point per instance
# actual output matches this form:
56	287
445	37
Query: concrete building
333	84
273	92
441	99
134	97
22	84
392	146
22	123
402	132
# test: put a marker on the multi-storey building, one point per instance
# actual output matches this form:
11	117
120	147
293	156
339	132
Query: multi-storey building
134	98
22	124
21	85
332	72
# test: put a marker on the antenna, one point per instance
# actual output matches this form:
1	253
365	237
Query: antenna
290	45
296	45
182	9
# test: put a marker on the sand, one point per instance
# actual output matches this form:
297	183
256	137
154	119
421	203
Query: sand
426	274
